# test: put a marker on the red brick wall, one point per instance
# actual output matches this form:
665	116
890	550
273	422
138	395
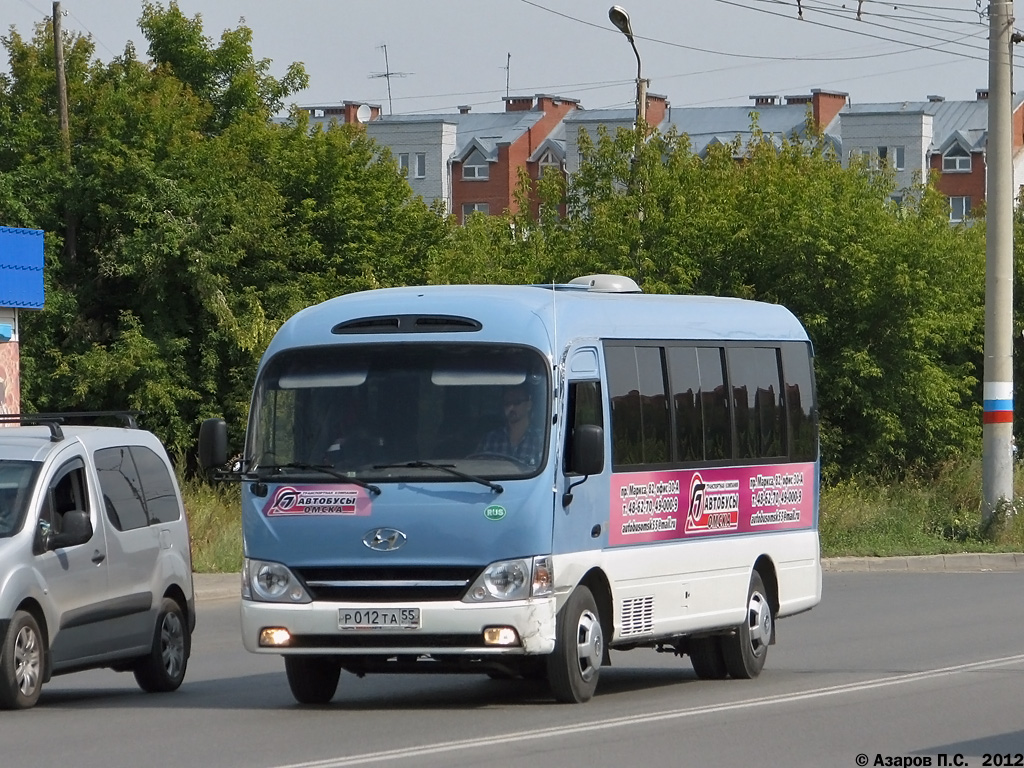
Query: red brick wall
956	184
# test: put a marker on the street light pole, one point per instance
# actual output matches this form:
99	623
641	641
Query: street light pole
618	16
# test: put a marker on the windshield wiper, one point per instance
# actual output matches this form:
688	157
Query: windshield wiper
326	469
444	468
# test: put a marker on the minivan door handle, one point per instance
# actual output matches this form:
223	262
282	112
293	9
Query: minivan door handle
98	557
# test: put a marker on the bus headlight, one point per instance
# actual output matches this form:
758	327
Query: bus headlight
271	582
513	580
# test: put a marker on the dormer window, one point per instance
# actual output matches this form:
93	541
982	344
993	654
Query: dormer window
476	166
549	160
956	160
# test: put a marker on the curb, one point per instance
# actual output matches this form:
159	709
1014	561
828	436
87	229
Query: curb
225	586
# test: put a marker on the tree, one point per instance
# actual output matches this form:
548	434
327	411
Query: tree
202	225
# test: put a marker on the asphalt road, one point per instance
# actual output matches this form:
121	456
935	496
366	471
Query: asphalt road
892	665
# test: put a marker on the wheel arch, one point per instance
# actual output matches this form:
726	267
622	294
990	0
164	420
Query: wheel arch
32	606
765	566
597	582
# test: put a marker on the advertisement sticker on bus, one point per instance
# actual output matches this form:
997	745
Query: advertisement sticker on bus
679	504
318	500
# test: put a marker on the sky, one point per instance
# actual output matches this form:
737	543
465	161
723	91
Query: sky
442	54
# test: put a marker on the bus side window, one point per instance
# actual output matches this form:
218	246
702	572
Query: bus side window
584	407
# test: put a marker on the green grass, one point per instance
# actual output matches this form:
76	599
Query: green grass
215	522
939	515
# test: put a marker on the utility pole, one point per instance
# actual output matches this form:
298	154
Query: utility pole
70	246
997	426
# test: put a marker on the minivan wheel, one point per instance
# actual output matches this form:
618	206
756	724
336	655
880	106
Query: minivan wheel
163	669
21	663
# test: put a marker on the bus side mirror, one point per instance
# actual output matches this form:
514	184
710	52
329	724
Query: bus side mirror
587	450
213	443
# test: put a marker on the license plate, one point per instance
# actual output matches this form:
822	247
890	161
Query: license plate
378	618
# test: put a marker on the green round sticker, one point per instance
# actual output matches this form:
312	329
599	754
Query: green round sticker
494	512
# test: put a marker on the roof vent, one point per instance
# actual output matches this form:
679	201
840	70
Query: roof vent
607	284
408	324
935	97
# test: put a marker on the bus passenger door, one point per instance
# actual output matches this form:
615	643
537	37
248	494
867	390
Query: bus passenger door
581	520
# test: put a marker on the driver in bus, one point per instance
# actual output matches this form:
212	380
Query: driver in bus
519	438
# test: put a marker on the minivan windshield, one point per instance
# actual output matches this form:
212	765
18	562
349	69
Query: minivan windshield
426	412
17	478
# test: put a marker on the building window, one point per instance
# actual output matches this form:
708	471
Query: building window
882	154
468	209
403	164
421	165
548	160
475	166
956	160
959	207
899	158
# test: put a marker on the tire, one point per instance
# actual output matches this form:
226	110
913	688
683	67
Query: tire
163	669
745	650
575	665
22	663
706	657
313	679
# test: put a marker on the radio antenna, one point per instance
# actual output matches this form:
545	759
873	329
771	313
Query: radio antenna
387	74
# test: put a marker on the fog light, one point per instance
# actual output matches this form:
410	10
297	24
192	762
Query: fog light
275	636
501	636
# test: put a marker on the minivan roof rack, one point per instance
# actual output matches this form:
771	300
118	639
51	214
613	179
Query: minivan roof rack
54	420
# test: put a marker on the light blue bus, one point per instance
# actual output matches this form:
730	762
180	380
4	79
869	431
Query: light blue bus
518	480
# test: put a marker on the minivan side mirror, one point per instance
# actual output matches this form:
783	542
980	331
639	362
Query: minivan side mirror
213	443
587	450
76	529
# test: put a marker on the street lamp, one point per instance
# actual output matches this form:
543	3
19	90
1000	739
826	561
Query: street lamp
618	16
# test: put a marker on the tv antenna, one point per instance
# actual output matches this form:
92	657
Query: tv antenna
387	74
507	67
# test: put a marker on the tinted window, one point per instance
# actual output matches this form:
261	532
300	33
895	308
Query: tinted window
754	375
684	373
157	486
121	488
796	365
714	404
584	407
636	380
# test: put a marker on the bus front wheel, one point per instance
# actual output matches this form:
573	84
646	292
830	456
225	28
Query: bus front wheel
313	679
746	649
575	664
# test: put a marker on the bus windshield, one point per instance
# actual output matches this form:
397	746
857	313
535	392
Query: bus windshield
402	411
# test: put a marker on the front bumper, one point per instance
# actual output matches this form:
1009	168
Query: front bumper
447	628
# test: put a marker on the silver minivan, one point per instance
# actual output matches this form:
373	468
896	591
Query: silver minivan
95	561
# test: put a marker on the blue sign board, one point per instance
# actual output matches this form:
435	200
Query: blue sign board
21	268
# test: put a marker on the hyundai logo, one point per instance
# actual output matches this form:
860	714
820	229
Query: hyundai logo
384	539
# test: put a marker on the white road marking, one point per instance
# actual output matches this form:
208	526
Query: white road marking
672	714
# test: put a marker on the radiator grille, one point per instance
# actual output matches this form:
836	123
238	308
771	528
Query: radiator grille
388	585
637	615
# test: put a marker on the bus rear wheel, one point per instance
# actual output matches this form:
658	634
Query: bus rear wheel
575	664
706	657
746	649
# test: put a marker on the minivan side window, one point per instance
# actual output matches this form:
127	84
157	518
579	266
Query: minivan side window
121	488
66	493
157	486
